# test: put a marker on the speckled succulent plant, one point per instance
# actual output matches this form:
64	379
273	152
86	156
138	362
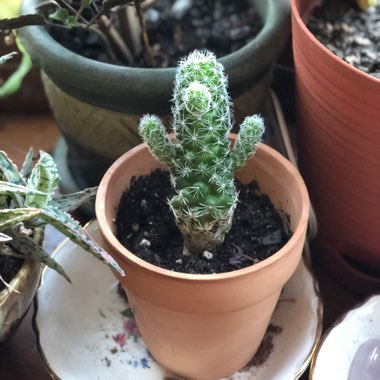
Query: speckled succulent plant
201	159
28	200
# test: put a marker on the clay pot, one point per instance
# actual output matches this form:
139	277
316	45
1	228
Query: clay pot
339	137
95	102
206	326
13	305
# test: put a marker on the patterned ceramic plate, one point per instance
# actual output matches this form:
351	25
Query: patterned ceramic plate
86	331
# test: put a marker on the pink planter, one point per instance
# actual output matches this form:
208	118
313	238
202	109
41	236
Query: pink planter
338	117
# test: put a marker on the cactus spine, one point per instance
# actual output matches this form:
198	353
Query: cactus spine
201	159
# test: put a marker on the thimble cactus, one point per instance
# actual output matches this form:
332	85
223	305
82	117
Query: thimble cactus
200	158
28	200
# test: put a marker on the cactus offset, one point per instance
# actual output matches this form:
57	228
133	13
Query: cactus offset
28	200
201	159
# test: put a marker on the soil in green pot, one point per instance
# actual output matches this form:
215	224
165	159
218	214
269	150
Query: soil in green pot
350	33
9	266
221	26
146	226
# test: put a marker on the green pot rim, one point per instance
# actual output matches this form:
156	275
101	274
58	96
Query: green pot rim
139	90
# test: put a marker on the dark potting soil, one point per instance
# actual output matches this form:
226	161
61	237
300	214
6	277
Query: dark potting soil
221	26
9	266
350	33
146	226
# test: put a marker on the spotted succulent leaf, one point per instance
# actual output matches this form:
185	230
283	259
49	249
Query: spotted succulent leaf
8	188
65	224
70	202
31	250
44	178
9	170
27	166
10	217
4	238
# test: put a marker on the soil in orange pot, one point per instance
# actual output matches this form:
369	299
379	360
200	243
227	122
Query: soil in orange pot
146	226
350	33
9	266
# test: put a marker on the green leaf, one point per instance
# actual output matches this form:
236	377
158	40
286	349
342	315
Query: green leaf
10	217
31	250
14	82
44	178
64	223
61	14
9	170
4	238
83	5
70	202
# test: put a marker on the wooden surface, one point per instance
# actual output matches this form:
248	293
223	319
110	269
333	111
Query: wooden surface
19	358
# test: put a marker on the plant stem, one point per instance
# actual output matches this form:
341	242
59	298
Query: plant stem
115	37
148	56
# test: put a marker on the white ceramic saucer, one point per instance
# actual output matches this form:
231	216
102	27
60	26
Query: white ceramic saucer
355	332
85	330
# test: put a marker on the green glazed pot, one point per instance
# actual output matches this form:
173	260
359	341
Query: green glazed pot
97	106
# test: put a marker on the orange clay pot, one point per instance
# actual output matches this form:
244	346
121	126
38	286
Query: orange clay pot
338	117
206	326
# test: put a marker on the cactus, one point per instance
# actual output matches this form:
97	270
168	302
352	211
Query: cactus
200	158
28	200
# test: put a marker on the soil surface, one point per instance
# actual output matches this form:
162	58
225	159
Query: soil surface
350	33
146	226
221	26
9	266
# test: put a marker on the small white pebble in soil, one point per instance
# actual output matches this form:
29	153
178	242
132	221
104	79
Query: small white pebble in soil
179	261
143	203
144	243
135	227
362	41
207	255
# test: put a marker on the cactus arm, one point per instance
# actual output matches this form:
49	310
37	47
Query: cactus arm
44	178
65	224
10	217
153	132
31	250
70	202
250	135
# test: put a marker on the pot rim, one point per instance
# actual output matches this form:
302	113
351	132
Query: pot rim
296	17
121	88
24	271
280	255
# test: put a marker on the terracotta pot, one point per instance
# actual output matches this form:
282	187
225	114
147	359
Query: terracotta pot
97	106
339	137
13	305
206	326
